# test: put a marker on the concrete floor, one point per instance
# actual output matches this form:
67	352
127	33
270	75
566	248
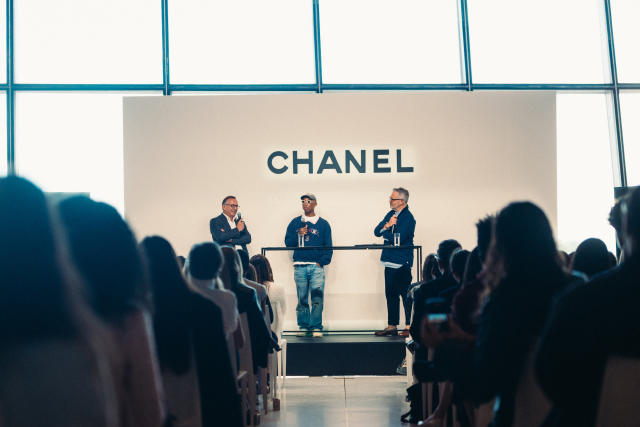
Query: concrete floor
340	402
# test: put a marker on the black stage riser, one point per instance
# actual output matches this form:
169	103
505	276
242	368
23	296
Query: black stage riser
344	355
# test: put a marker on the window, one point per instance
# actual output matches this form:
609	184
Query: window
72	142
79	41
626	33
630	108
546	41
377	41
585	177
241	42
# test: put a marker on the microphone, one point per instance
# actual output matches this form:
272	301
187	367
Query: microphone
395	214
239	215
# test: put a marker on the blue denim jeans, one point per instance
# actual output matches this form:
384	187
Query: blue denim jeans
309	280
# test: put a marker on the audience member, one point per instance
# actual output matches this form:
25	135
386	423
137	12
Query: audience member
264	275
196	368
432	288
259	333
591	258
523	273
105	252
52	366
587	325
458	262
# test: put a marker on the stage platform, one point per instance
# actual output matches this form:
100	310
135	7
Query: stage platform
344	354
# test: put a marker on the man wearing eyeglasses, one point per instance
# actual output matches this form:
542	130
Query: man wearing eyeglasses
397	262
228	228
309	264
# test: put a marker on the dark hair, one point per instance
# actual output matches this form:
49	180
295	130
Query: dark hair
34	298
484	228
250	273
631	214
204	260
522	244
615	214
232	268
244	260
473	267
591	257
227	198
445	249
263	268
430	268
181	260
105	252
613	261
458	262
171	305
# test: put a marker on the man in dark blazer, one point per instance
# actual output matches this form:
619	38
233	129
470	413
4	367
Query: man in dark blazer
589	323
228	228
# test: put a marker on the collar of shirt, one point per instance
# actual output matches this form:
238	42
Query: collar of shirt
311	219
232	222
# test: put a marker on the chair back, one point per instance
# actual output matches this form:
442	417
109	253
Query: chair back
531	405
620	391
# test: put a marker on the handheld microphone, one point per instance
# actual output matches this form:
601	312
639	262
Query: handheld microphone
395	214
239	216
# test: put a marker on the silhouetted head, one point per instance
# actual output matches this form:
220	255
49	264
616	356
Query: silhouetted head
232	268
591	257
34	297
263	269
458	262
445	249
484	229
631	222
204	261
105	251
522	244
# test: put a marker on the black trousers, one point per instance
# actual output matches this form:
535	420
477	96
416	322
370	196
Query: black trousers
396	284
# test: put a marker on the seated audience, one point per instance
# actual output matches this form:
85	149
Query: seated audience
591	258
53	370
587	325
105	252
248	277
524	273
195	364
433	288
259	333
264	276
458	261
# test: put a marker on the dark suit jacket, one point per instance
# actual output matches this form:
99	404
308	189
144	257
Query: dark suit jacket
224	235
587	324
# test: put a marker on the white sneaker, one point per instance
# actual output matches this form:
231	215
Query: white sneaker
317	333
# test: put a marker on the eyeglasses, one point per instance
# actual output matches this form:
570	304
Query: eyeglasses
394	200
307	202
232	206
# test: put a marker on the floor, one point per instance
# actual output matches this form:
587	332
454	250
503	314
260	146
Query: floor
340	402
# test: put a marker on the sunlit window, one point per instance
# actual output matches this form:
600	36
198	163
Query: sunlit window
585	177
377	41
241	41
546	41
630	107
626	34
81	41
72	142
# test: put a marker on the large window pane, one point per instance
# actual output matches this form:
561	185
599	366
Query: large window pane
72	142
585	177
81	41
3	42
3	133
241	42
546	41
626	34
630	106
378	41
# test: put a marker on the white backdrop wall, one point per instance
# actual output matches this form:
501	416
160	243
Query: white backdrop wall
471	153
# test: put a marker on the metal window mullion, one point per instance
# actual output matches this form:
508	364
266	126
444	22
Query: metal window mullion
11	157
166	90
464	12
616	95
317	45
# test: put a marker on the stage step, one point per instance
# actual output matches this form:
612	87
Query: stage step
344	355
